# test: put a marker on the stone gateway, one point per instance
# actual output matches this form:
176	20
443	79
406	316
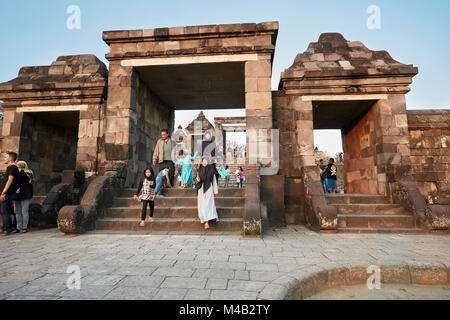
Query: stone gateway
88	132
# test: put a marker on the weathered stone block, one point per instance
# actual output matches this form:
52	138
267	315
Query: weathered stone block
261	68
258	100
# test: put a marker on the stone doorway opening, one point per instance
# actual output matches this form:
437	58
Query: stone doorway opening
161	91
356	123
328	144
181	68
48	143
228	134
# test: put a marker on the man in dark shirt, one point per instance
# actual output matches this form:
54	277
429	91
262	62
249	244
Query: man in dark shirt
9	193
331	171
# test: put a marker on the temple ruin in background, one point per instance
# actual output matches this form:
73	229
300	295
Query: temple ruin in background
94	129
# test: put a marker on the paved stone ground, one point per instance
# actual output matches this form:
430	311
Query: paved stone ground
386	292
121	266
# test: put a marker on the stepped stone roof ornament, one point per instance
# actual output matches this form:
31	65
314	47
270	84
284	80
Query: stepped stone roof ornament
334	57
206	125
85	74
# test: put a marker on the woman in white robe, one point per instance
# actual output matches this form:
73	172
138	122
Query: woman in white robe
207	188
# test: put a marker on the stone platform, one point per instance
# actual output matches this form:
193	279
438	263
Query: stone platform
177	211
287	263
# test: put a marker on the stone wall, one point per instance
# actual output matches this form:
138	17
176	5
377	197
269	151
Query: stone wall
149	115
429	134
133	122
285	120
91	139
48	149
359	151
54	114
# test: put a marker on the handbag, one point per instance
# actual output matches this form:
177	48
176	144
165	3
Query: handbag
197	185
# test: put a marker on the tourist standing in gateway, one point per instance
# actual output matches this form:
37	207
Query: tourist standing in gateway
163	154
9	193
331	172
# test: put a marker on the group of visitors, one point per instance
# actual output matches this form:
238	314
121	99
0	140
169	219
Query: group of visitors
328	176
206	182
235	150
18	189
16	195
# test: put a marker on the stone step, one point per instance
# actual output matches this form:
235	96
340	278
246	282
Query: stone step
357	199
365	209
381	230
375	221
180	202
38	198
167	232
171	224
171	212
190	192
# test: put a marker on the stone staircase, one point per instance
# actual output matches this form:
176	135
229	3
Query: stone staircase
175	213
363	213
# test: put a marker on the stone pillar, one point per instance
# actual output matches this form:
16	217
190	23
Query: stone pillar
118	147
117	118
392	159
252	213
90	133
303	154
258	108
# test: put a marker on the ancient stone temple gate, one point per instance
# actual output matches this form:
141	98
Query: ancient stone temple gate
105	124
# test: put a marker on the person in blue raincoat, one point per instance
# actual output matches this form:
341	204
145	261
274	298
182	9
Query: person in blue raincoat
186	168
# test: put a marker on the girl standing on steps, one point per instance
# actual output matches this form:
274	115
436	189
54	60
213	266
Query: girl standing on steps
207	188
186	168
147	186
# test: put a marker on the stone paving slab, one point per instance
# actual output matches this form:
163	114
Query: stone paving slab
291	262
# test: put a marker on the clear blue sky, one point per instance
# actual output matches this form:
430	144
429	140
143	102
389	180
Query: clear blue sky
414	32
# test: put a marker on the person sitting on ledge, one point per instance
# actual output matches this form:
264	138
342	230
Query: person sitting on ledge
161	179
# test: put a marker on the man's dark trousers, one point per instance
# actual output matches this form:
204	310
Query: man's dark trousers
7	212
169	165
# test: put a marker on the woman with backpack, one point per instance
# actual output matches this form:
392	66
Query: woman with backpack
22	204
